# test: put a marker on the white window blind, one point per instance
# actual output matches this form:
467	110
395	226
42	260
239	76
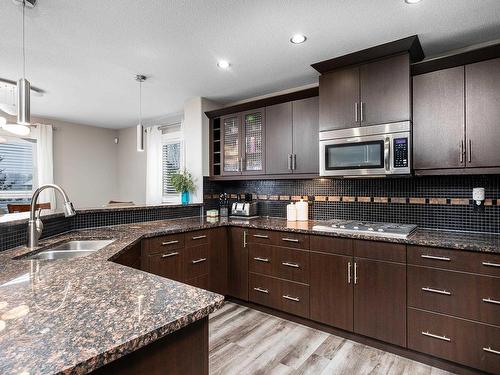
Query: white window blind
172	159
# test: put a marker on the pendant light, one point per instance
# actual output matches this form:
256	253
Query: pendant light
140	129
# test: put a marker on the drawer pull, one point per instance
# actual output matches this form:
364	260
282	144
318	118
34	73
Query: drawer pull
170	255
169	243
198	237
489	300
489	350
294	265
489	264
198	260
444	338
260	290
348	272
434	257
294	299
290	240
265	260
261	236
438	291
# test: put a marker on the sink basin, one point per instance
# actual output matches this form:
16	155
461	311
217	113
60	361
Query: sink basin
70	249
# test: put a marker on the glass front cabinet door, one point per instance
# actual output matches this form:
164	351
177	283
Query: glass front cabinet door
243	136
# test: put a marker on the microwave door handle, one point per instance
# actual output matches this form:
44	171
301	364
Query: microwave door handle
387	152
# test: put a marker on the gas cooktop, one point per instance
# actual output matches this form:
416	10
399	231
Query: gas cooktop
364	227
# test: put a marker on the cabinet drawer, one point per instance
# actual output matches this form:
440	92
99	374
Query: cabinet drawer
460	294
390	252
293	264
200	237
163	243
295	298
167	264
333	245
472	344
195	261
264	290
261	259
265	237
487	264
290	239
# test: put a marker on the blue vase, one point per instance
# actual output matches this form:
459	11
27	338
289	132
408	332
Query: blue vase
185	197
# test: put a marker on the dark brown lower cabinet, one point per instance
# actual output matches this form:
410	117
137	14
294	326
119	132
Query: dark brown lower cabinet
238	263
218	261
168	264
380	300
331	292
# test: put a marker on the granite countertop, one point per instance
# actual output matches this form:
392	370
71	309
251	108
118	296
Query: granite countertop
76	315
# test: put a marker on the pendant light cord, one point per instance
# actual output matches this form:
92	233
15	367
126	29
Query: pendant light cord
140	102
24	52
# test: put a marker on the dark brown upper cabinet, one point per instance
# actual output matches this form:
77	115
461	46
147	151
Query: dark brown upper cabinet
439	119
292	137
455	124
243	143
482	98
368	94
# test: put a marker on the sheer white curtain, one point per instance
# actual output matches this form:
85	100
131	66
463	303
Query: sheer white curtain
45	163
153	166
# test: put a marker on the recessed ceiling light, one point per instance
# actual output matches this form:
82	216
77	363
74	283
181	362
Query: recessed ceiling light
223	64
412	1
298	38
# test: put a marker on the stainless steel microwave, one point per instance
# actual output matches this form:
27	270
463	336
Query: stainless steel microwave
371	151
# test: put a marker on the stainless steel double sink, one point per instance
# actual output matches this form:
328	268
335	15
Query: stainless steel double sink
70	249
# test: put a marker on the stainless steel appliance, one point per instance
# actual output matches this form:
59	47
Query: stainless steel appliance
246	208
377	150
390	230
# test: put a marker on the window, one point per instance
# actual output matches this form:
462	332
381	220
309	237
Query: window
17	171
172	159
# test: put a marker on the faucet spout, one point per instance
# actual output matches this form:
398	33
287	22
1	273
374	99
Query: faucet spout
35	226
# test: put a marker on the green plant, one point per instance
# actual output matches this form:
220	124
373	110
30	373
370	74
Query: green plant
182	182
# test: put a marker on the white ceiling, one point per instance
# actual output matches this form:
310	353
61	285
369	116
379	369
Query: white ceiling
85	53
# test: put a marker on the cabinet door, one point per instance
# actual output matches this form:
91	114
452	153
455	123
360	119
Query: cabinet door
482	88
253	131
380	300
331	290
238	263
218	261
438	119
279	138
339	99
305	135
385	91
168	264
231	138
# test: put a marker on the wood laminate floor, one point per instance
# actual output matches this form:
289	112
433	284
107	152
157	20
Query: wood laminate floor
246	341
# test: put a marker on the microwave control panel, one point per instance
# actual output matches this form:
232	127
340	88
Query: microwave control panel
400	148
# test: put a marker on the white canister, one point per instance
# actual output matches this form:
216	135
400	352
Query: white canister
302	210
291	212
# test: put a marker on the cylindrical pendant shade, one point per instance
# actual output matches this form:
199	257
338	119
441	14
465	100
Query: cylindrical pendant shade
23	102
140	138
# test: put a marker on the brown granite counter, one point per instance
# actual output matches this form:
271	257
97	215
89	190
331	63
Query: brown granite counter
76	315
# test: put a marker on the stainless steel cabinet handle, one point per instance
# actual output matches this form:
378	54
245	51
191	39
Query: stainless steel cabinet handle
361	105
169	243
265	260
294	162
290	239
295	299
170	255
198	260
356	112
289	162
490	300
244	238
462	151
199	237
348	272
387	153
438	291
434	257
444	338
355	273
261	236
489	350
261	290
489	264
470	150
288	264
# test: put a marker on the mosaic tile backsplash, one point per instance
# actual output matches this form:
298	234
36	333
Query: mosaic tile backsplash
441	202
